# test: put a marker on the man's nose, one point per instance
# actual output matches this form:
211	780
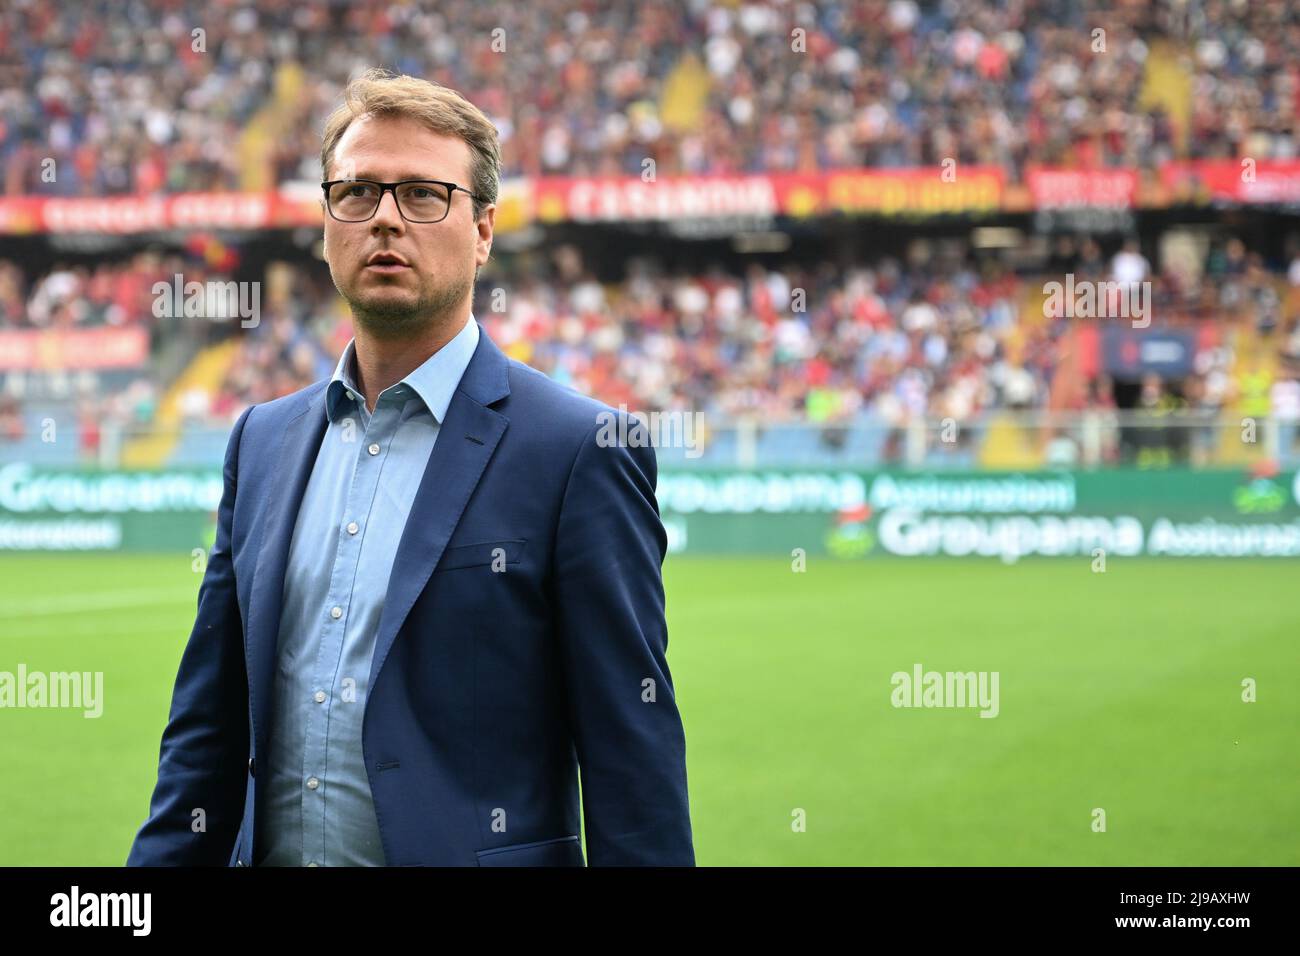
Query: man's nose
387	216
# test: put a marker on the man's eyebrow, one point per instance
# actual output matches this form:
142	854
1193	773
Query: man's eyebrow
366	174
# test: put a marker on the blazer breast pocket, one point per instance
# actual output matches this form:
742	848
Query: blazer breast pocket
508	551
561	851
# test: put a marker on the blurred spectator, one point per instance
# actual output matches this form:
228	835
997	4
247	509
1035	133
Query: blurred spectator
100	98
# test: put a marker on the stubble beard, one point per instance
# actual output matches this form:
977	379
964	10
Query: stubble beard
386	318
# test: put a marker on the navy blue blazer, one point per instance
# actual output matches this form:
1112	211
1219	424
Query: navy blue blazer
489	688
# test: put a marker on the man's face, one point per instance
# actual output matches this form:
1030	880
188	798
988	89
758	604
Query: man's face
441	257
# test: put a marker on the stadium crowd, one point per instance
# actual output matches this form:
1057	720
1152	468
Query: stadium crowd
925	339
164	96
161	95
932	337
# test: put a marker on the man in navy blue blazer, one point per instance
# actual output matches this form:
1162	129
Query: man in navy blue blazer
435	595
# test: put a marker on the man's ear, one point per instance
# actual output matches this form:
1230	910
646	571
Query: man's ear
485	228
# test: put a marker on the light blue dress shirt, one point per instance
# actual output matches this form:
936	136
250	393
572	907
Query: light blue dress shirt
319	809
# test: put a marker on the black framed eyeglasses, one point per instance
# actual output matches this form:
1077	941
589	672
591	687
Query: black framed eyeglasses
418	200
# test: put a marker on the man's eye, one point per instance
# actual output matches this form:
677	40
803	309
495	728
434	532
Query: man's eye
420	192
359	189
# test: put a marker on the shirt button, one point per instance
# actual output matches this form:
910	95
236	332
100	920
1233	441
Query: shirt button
373	449
351	396
336	612
319	697
352	527
312	783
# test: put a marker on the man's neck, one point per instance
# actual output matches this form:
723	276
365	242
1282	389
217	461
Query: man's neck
382	362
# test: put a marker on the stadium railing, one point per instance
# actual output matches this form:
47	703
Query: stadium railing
993	440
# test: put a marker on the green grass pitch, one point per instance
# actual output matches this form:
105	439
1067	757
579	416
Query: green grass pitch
1120	691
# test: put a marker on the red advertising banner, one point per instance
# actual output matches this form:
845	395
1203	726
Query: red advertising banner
132	214
1053	188
928	191
623	199
63	349
1243	181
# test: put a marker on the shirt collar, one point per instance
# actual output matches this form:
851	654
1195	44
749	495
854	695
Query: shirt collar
434	381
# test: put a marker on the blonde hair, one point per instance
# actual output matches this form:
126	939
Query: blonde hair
438	107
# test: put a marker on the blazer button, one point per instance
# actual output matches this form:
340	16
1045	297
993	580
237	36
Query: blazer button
251	772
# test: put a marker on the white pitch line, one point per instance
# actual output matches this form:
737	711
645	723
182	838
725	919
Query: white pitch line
99	601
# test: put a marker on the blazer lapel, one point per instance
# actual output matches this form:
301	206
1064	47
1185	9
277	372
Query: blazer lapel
466	440
298	447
